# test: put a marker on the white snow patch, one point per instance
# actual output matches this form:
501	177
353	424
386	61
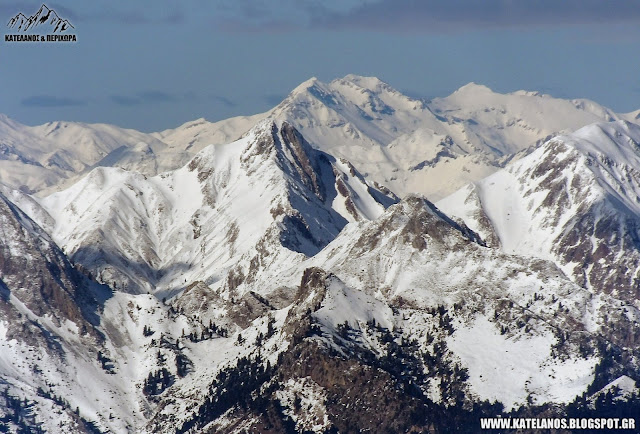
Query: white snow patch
343	304
510	370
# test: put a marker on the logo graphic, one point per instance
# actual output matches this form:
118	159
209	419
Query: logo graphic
44	18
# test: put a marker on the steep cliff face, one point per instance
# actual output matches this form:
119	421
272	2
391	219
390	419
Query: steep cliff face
36	274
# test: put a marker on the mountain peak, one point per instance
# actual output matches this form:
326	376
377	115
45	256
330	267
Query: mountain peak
528	93
263	126
6	120
296	258
573	200
302	87
619	141
417	222
369	82
473	87
371	85
293	153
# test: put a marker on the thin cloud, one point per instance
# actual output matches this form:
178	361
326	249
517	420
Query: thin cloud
223	100
144	97
257	16
48	101
439	15
130	17
403	15
126	101
154	96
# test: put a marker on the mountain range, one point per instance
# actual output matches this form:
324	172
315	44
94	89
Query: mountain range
353	259
408	145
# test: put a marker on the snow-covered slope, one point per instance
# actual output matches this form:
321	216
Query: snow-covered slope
193	136
358	118
89	142
74	355
264	284
304	299
409	145
45	157
414	259
266	198
20	155
504	122
412	299
31	259
49	334
574	201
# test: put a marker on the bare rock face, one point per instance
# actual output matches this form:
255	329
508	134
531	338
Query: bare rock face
300	150
35	272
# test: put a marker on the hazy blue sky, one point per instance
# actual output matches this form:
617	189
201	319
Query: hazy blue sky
155	65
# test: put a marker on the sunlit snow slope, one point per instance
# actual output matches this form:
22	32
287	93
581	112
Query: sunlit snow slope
230	204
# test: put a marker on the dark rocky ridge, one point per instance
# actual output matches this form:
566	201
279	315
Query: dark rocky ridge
37	272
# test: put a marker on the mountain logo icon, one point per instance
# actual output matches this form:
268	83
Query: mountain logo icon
44	17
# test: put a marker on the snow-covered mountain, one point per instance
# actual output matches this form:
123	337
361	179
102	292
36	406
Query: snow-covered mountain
416	146
194	135
405	144
504	309
49	330
73	353
575	200
410	145
504	122
245	276
47	157
266	199
35	272
409	310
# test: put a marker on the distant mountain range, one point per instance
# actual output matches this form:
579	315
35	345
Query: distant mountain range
407	145
44	16
285	272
